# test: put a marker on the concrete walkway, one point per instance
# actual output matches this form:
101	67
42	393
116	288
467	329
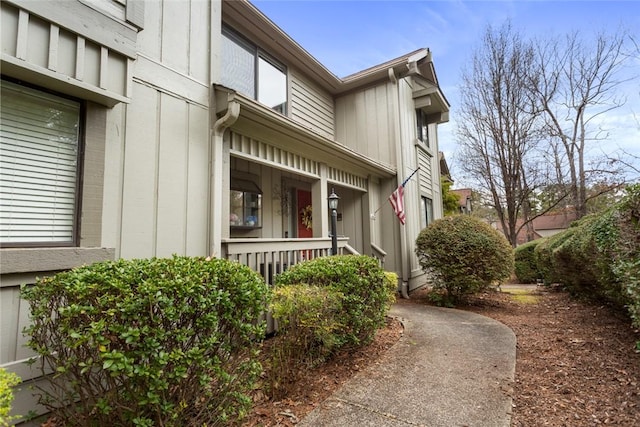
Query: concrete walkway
450	368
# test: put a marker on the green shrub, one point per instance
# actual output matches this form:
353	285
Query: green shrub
149	342
599	256
367	294
7	381
575	258
308	331
463	255
544	255
526	269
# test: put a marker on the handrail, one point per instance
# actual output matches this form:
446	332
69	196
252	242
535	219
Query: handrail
351	250
378	253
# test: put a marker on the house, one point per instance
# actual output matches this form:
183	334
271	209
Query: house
543	226
138	129
464	199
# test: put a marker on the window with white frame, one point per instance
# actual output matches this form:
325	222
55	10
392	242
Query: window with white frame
426	211
39	167
422	127
250	71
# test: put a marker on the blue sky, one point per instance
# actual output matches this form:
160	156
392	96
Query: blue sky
349	36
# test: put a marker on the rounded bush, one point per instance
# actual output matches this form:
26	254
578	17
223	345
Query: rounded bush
367	294
526	268
463	255
167	342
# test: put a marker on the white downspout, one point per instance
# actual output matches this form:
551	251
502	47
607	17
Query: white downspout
218	163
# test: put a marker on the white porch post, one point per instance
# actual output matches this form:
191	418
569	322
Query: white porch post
319	195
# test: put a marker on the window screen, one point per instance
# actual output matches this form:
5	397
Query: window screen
39	141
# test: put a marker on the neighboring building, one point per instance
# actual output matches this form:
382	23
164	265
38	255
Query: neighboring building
543	225
148	128
464	199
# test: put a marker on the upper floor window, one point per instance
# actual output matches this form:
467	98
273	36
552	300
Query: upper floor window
248	70
39	167
423	127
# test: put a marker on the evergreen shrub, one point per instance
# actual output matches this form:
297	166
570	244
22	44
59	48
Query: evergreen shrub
526	269
169	342
366	293
463	255
308	332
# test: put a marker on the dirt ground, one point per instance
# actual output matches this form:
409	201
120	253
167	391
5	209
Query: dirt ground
577	363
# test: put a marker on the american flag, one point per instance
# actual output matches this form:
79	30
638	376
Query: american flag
397	199
397	202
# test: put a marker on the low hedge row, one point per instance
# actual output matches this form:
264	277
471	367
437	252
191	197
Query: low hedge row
599	255
175	341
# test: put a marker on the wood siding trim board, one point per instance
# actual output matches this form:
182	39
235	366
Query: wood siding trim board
81	19
64	60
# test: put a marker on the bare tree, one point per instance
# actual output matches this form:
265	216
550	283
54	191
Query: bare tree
575	82
499	127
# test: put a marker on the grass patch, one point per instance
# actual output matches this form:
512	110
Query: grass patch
523	298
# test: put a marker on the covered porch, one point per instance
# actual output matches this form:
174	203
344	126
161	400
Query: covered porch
271	210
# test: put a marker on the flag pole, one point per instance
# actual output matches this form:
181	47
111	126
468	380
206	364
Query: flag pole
373	215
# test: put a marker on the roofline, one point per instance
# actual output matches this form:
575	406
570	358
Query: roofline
254	23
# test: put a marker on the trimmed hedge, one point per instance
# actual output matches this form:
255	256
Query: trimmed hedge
367	293
463	255
526	268
600	255
149	342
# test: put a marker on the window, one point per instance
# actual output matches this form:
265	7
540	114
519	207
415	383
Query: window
245	204
426	211
423	127
251	72
39	167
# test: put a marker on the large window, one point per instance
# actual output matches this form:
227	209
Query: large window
250	71
423	127
39	167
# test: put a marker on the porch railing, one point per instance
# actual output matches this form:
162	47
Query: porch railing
270	257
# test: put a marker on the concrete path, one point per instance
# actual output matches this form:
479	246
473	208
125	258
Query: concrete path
450	368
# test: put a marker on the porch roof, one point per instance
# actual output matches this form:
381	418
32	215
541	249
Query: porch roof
278	129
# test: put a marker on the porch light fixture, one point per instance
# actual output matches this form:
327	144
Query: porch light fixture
333	206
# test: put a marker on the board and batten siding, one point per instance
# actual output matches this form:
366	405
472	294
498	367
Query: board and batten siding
366	120
165	158
311	106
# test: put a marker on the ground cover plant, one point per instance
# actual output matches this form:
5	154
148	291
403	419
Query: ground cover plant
169	342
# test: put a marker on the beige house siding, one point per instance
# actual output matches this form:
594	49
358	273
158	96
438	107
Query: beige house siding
364	122
311	106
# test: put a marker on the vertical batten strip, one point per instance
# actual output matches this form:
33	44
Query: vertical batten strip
23	35
128	91
54	42
80	58
104	67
